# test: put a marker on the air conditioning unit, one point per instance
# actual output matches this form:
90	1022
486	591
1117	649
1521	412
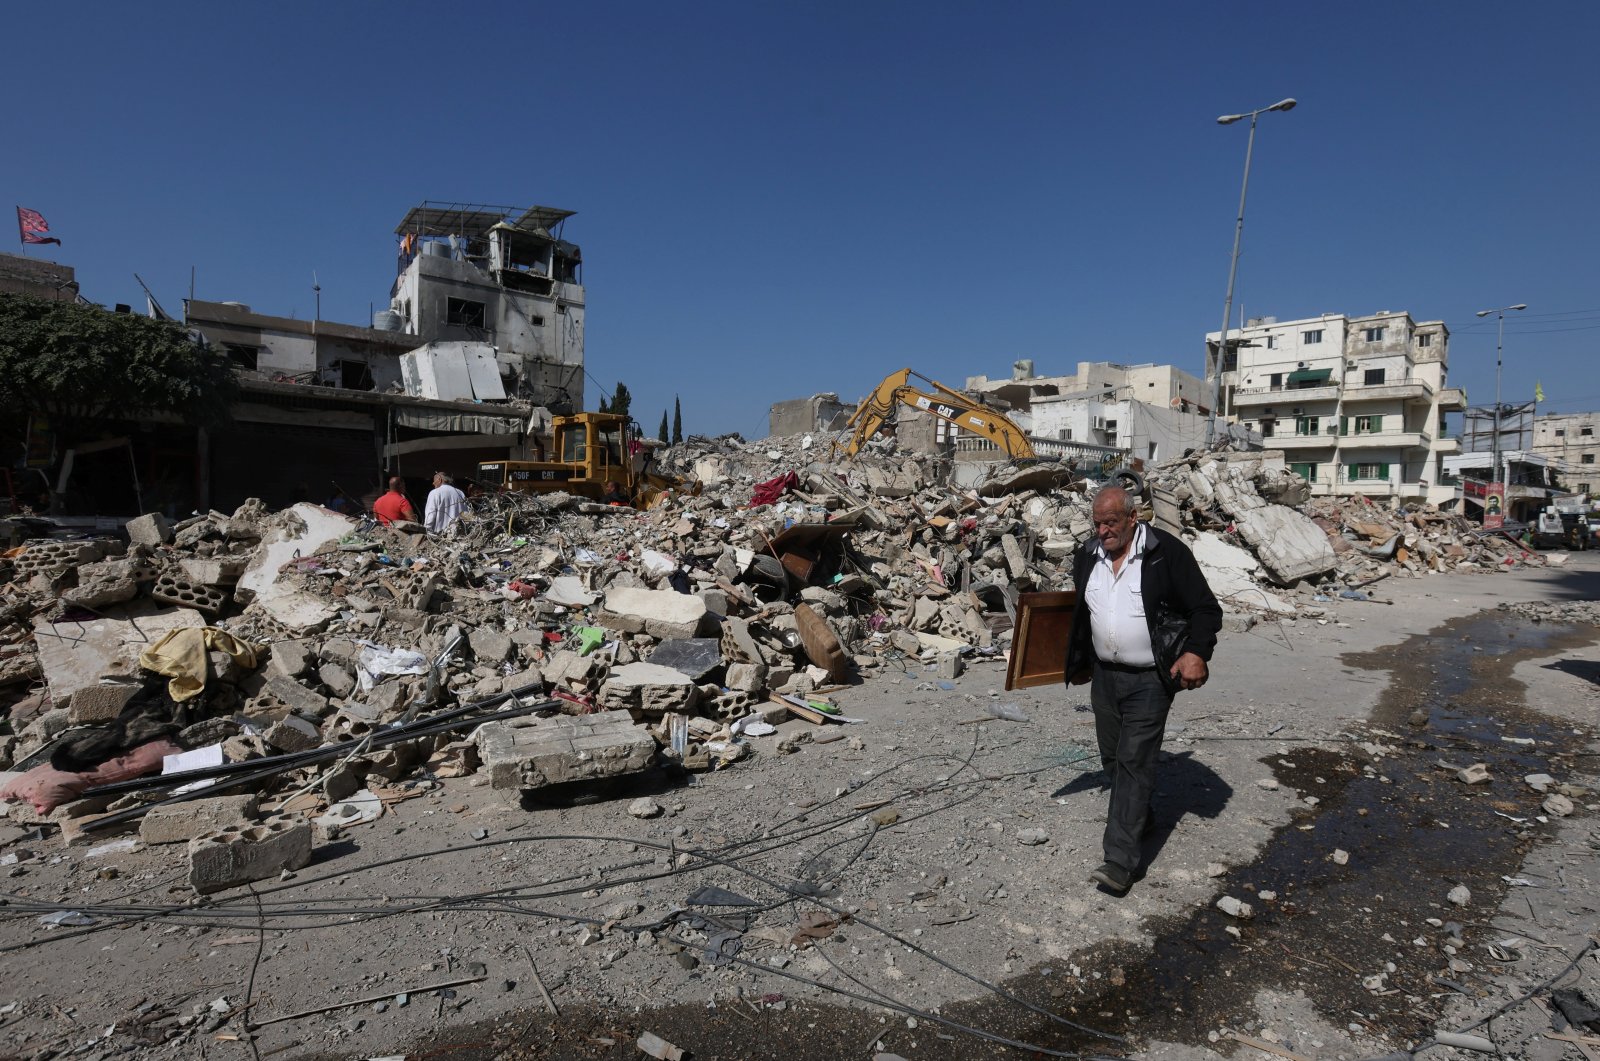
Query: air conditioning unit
1098	423
1300	364
1352	364
1298	410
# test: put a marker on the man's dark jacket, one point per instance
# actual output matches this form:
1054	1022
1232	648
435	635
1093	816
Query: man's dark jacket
1179	608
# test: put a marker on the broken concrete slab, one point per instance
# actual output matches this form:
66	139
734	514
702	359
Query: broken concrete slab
1233	573
664	614
77	654
311	528
490	645
1288	543
531	753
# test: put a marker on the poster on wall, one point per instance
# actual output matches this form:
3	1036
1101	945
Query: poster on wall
1494	507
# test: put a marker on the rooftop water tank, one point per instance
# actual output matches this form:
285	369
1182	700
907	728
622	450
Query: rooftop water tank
386	320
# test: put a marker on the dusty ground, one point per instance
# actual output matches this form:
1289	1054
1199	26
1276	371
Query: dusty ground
910	829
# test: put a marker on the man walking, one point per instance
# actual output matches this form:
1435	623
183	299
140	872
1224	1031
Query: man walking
444	504
1144	627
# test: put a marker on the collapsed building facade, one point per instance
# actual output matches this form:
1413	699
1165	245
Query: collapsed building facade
482	340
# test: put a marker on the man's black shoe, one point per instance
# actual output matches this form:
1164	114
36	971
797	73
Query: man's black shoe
1113	877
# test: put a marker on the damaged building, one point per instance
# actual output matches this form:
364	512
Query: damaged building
482	341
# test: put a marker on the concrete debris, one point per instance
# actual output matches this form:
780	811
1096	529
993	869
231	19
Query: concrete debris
657	635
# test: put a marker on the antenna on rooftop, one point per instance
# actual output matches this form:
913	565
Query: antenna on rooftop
316	289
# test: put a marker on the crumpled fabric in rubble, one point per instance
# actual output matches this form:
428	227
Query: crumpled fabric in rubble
768	492
181	656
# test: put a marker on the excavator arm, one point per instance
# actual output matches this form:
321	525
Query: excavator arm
880	407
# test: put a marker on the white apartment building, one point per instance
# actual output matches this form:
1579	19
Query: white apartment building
1357	404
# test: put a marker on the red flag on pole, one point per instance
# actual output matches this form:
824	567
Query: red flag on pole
33	227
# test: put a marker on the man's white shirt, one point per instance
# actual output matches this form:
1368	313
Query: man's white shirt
1116	606
444	505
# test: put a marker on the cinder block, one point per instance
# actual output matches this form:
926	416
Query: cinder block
150	529
185	594
98	703
239	854
178	823
292	734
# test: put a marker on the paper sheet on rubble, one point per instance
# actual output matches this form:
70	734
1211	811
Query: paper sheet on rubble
376	661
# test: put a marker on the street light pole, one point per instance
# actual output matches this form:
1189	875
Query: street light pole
1499	349
1233	263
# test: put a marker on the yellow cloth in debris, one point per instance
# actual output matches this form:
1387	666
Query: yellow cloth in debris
181	656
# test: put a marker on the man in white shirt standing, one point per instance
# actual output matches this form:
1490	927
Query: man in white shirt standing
444	505
1144	627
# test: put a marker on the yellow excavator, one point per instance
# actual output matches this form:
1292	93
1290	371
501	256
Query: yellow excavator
896	390
589	450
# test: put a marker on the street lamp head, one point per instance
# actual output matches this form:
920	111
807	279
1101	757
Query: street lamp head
1229	119
1485	312
1519	305
1283	105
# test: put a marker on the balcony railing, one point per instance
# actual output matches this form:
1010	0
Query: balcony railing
1048	447
1359	439
1405	390
1270	395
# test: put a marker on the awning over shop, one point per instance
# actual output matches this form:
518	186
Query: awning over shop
465	423
1310	375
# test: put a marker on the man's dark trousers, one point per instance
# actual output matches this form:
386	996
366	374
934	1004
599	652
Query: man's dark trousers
1130	718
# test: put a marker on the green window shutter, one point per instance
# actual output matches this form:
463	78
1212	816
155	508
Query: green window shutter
1383	471
1377	424
1344	425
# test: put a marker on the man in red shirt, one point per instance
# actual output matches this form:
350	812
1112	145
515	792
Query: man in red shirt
393	505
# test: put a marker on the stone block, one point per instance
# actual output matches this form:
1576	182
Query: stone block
301	700
533	752
94	704
664	614
648	688
821	642
292	659
490	645
239	854
186	594
386	699
178	823
217	572
739	644
150	529
291	733
338	679
746	677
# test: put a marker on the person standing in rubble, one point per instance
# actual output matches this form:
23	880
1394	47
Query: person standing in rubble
444	504
1143	629
394	505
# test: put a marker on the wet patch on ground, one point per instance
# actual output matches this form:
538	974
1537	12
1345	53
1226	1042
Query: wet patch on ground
1411	831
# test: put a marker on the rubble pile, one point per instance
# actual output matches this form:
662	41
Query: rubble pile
313	667
1586	612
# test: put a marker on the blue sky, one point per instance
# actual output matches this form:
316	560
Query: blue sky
776	200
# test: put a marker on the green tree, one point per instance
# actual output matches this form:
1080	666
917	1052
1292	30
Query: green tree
677	421
621	400
80	363
661	433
